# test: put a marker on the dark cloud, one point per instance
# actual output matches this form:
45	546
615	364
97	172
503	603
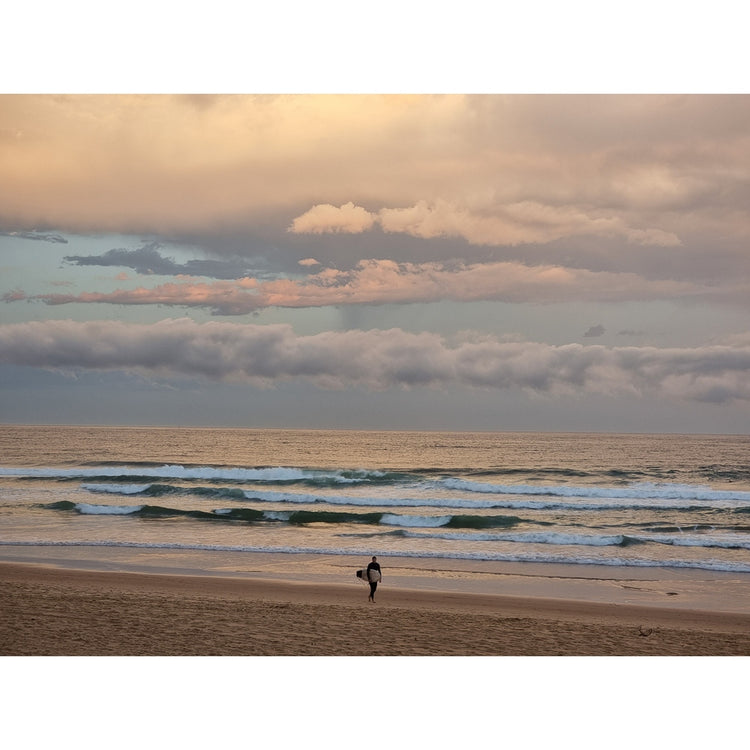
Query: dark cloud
379	359
38	236
595	331
147	260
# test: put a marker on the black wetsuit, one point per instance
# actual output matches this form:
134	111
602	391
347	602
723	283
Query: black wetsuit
373	584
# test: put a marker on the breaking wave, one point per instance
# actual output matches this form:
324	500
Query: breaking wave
296	517
472	524
505	497
271	475
640	491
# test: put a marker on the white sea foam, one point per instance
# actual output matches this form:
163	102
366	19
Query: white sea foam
272	515
270	496
724	541
211	473
587	540
107	510
542	501
116	489
389	519
641	491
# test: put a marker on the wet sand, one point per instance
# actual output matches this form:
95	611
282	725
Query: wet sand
65	612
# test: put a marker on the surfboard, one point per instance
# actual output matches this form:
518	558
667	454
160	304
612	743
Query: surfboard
366	576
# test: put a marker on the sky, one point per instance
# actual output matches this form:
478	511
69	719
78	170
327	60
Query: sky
518	261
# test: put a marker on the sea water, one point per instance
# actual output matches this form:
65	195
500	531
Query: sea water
641	501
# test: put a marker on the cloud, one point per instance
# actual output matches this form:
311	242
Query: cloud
325	218
649	169
511	224
223	297
147	260
657	186
379	282
38	236
378	359
595	331
15	295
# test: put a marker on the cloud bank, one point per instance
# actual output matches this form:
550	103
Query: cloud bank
491	169
379	359
511	224
379	282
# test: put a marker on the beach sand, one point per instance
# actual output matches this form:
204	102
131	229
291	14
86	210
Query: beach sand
50	611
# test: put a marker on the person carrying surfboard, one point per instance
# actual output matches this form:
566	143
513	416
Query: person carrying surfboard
373	576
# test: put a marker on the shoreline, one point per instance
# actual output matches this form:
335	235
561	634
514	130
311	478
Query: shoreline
659	587
52	610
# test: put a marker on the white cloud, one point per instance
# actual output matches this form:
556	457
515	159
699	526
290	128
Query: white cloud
325	218
511	224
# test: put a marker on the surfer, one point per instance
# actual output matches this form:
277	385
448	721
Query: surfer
373	576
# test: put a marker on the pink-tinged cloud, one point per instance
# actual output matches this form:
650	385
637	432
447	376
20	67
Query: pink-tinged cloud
225	297
379	282
378	359
16	295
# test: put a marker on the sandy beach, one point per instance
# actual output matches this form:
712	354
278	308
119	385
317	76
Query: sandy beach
52	611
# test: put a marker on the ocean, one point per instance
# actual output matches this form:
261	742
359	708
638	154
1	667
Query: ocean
117	493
